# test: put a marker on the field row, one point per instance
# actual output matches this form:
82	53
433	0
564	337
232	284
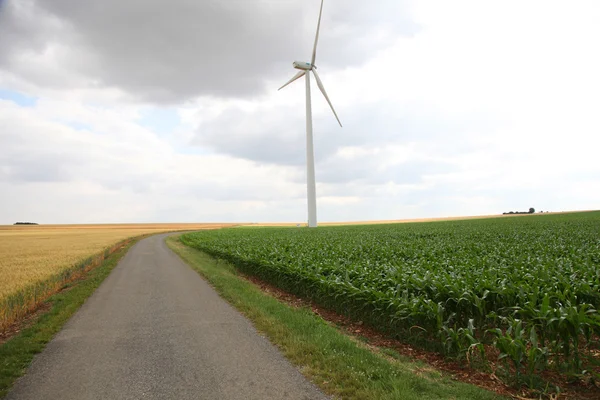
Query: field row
529	287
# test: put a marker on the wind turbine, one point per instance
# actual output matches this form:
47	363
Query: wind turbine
305	69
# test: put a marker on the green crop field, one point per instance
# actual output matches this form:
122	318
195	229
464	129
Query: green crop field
523	291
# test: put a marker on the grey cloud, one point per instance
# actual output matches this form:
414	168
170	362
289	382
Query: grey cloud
246	191
171	51
271	138
18	32
277	136
368	170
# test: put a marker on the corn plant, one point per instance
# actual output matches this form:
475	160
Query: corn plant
529	286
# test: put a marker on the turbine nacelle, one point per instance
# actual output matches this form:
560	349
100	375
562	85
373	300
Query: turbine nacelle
303	65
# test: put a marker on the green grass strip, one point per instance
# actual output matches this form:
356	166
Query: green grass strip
337	364
17	353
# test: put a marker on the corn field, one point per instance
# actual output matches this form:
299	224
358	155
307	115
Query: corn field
524	291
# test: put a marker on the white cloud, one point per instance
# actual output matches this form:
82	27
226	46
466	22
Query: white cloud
74	173
468	107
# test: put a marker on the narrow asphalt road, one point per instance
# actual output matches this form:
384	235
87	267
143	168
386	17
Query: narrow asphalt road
156	330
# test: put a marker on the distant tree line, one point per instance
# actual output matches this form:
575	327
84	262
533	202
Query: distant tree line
531	211
25	223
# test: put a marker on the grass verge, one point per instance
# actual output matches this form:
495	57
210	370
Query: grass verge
338	365
17	306
17	353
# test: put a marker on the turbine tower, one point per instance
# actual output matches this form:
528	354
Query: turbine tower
305	69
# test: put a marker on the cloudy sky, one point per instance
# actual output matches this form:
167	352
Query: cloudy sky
154	111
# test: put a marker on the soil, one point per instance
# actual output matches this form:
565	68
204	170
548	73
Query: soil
24	323
460	371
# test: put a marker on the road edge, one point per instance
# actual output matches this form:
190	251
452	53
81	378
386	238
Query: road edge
17	353
313	345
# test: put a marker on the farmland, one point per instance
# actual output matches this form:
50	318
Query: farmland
36	261
523	291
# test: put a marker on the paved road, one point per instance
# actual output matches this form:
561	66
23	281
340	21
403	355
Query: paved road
155	330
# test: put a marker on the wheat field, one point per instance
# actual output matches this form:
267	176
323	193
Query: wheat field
29	254
36	259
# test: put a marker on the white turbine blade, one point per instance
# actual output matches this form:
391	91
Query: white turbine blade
320	84
296	77
314	55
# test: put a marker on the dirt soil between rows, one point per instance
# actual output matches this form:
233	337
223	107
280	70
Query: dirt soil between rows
375	340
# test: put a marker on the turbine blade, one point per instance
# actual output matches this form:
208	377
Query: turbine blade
314	55
296	77
320	84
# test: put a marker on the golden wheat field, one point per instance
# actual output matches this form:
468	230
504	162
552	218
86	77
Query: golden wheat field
29	254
